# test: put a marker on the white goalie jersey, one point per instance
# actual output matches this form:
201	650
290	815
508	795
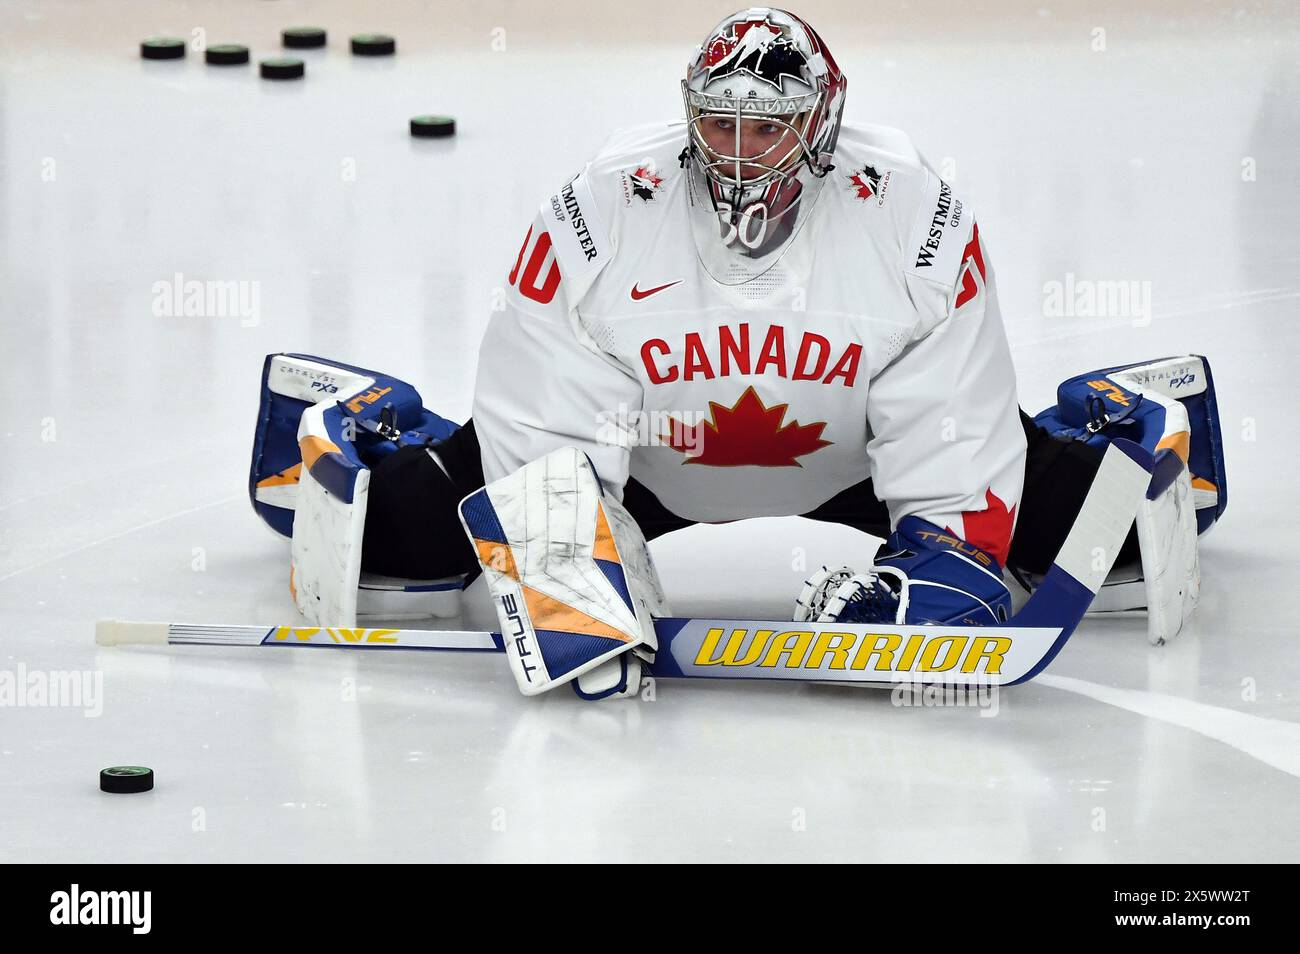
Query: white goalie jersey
872	347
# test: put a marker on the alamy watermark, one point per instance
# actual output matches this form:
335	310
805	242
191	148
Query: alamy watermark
24	688
1086	298
978	694
191	298
75	906
632	427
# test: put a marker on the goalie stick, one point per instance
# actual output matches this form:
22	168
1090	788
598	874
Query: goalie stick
865	654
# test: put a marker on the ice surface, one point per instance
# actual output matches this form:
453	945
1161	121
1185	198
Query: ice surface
1169	157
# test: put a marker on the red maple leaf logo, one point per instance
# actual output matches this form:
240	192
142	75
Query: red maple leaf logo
865	183
990	528
747	433
863	190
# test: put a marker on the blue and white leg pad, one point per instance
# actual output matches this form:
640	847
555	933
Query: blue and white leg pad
320	426
1168	407
1166	404
570	575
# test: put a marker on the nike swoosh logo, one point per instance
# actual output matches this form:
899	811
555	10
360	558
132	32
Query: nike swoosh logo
638	294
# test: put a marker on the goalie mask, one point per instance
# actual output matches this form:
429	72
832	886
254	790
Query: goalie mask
763	98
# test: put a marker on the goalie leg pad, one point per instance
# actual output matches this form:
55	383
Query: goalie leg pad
291	383
320	427
1167	582
329	518
1165	405
570	575
1168	406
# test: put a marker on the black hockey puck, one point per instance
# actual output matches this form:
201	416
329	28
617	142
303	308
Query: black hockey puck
226	54
373	44
432	127
162	48
125	779
282	67
303	38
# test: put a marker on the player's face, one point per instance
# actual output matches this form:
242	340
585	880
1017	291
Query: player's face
760	139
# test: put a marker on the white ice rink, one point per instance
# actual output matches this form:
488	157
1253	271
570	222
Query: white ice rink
1171	156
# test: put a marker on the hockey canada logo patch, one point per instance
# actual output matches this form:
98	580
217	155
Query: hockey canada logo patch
868	184
642	183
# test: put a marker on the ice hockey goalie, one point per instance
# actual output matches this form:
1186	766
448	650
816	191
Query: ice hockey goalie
758	309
